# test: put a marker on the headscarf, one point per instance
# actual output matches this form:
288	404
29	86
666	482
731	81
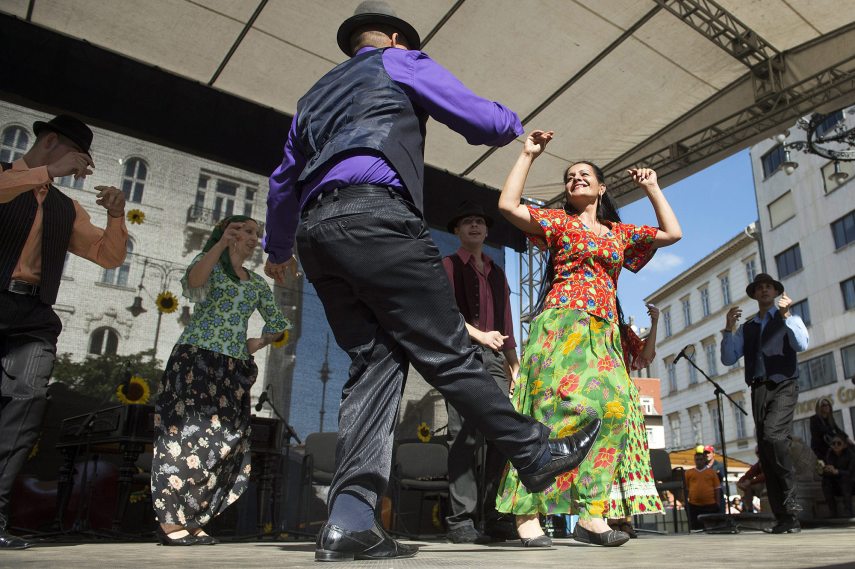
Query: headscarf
216	235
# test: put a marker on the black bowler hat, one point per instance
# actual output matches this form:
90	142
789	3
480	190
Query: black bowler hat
763	278
70	127
375	12
467	209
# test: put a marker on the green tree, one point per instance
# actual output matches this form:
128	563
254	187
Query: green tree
97	376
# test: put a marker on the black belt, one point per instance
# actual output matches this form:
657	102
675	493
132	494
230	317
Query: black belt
356	191
23	287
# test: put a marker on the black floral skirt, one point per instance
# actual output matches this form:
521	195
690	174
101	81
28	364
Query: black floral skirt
201	454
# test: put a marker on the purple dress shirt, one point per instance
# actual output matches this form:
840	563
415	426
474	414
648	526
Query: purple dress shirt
430	87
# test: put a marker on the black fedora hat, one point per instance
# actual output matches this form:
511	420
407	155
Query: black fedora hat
763	278
70	127
467	209
375	12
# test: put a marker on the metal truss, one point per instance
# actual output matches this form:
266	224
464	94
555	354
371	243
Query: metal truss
788	105
532	265
741	42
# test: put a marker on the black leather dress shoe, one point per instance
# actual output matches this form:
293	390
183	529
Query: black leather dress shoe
610	538
567	453
12	542
539	541
338	544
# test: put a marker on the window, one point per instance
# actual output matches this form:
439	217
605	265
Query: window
693	372
705	301
739	418
687	312
697	427
781	210
772	160
224	199
843	230
835	176
713	407
70	182
847	287
648	406
104	341
801	430
674	427
725	289
119	276
249	200
712	357
816	372
789	261
848	356
666	319
133	181
14	143
802	310
672	375
750	269
828	123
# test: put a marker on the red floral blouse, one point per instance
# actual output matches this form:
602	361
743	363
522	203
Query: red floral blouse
586	266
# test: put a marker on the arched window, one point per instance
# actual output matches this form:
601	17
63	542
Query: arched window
14	143
133	180
119	276
104	341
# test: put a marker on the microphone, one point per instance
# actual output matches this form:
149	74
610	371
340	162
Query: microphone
686	352
262	398
126	382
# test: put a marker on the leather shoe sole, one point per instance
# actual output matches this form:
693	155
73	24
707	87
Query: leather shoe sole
567	453
338	544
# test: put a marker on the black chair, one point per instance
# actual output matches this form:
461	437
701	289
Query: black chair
317	468
670	479
422	468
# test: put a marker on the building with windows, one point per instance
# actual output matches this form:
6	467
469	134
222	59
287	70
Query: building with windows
806	206
701	297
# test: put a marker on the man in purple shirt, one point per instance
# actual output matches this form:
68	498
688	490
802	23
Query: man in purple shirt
352	174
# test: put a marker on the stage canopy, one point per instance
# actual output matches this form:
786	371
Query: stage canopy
672	84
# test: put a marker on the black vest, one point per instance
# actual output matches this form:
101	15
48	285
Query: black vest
356	109
466	292
779	358
16	220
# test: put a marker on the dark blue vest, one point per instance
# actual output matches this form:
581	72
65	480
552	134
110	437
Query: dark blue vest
16	220
773	345
357	109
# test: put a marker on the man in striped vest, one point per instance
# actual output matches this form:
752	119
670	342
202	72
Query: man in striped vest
38	226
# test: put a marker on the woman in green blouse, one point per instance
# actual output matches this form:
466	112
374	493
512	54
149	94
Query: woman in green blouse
201	454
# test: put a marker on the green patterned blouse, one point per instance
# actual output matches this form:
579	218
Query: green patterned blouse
222	312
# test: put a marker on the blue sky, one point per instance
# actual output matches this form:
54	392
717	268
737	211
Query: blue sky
712	206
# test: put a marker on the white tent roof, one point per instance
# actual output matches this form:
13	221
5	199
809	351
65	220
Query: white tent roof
668	82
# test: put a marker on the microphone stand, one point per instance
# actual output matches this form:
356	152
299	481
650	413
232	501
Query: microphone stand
731	525
289	434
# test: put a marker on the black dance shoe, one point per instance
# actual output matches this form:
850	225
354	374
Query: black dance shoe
786	526
610	538
188	539
338	544
8	541
539	541
567	453
206	540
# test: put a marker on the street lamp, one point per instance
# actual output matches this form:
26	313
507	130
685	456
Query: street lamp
825	135
166	269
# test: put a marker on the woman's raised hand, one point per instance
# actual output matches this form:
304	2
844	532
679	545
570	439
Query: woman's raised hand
536	142
644	177
230	235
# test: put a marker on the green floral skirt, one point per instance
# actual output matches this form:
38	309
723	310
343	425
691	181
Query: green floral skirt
572	372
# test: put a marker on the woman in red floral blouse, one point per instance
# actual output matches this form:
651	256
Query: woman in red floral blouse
573	367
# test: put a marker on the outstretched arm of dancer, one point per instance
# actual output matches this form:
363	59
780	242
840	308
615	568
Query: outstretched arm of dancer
509	201
669	228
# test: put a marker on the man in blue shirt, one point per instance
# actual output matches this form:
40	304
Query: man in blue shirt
352	175
769	342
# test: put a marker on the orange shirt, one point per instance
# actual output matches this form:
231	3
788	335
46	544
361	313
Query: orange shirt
106	247
702	485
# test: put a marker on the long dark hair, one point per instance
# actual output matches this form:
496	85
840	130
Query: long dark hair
606	211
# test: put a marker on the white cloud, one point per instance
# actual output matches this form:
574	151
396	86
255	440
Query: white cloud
663	262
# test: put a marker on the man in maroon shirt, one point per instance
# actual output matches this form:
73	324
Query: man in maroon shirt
483	297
